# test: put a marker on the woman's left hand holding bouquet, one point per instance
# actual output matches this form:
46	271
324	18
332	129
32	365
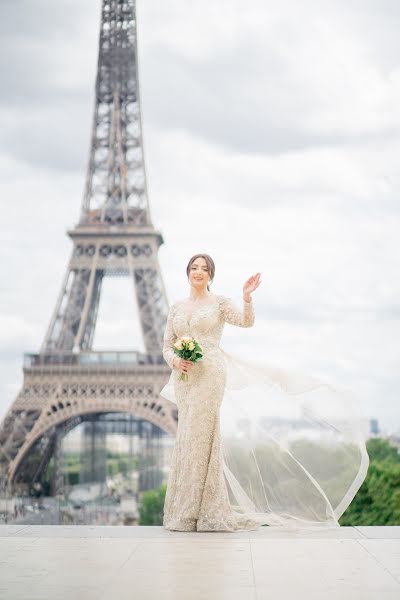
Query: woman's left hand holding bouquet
188	352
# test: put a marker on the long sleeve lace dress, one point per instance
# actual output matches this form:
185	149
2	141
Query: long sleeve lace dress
255	444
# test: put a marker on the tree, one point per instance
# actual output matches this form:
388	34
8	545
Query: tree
377	502
151	508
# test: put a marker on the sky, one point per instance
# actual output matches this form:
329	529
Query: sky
271	140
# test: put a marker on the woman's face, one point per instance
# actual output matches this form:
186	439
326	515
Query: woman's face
199	275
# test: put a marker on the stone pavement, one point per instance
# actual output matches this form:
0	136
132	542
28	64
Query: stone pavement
142	563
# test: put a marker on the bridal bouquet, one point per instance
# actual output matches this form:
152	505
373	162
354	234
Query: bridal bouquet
189	349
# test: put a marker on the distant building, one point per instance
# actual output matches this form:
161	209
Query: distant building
374	426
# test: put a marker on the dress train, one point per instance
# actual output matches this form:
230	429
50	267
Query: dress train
294	451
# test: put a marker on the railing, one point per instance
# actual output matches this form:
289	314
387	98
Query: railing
86	359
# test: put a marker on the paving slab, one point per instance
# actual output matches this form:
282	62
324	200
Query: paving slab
43	562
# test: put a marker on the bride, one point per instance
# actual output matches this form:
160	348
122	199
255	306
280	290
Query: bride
255	444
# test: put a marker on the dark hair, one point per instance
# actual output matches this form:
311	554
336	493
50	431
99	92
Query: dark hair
210	265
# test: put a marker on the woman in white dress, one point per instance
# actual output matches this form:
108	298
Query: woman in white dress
255	444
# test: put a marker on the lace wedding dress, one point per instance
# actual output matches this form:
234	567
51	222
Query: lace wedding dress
255	444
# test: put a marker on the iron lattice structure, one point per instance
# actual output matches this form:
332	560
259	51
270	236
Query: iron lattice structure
115	236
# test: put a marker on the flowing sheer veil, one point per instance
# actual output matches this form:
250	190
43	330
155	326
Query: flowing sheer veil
293	446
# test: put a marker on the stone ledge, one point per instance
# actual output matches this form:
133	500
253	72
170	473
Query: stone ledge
156	532
43	562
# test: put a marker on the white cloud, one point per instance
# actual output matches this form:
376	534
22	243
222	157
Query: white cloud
271	139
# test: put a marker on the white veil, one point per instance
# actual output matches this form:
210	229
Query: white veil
293	446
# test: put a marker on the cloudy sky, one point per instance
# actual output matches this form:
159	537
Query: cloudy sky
272	142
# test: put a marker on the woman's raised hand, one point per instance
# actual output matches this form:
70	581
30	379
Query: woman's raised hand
251	284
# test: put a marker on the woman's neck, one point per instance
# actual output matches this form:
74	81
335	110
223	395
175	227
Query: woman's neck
199	297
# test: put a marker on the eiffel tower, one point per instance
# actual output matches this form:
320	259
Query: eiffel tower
67	382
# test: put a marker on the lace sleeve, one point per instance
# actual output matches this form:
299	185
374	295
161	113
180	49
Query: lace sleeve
233	315
169	338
